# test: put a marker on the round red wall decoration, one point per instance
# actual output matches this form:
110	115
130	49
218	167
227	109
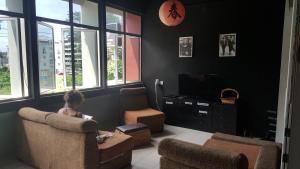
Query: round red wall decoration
172	12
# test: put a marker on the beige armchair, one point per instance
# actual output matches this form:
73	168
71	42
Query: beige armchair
52	141
220	152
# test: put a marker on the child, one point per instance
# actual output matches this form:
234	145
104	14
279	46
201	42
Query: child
73	99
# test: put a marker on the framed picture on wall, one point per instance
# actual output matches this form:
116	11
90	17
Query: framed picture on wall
227	45
186	46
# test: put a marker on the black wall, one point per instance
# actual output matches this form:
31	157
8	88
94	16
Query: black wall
254	72
134	5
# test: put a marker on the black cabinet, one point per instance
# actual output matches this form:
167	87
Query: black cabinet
225	118
193	113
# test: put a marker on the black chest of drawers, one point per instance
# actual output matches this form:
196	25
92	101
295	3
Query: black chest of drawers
200	114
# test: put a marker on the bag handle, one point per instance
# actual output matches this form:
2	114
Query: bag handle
231	90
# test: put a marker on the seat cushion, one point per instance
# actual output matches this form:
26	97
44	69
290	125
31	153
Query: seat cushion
114	146
132	117
152	118
245	140
250	151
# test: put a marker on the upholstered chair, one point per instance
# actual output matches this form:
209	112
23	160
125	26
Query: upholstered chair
135	109
221	151
49	140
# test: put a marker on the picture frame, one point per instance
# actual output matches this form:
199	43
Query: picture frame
227	45
186	46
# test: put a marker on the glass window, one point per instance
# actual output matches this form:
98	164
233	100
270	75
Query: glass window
114	19
115	62
62	67
85	12
53	9
133	23
86	58
55	61
123	64
133	61
13	69
12	5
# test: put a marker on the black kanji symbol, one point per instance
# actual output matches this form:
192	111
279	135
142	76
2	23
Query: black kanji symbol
173	12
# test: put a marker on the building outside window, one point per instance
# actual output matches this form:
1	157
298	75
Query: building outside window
123	46
13	61
68	47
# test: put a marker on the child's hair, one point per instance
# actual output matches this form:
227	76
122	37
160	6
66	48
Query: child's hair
74	98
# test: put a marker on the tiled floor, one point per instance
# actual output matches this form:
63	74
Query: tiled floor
146	157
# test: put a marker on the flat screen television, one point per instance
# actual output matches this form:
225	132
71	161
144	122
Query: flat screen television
206	86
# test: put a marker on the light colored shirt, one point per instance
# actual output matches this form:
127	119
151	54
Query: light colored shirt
69	112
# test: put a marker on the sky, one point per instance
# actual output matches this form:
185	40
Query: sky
56	9
16	9
3	36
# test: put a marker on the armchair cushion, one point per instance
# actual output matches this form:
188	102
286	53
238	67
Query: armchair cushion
244	140
152	118
132	117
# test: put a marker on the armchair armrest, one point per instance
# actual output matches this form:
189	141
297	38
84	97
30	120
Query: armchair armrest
269	158
200	157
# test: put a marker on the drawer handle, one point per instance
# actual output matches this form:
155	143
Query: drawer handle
169	103
272	131
188	103
202	112
272	118
202	104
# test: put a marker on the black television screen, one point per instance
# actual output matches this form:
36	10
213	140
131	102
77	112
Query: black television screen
206	86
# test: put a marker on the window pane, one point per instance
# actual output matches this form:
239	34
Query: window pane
53	9
12	5
133	23
54	50
115	62
13	73
67	58
133	58
86	58
114	19
85	12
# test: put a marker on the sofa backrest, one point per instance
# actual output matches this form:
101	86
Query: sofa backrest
53	141
133	98
180	154
32	137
